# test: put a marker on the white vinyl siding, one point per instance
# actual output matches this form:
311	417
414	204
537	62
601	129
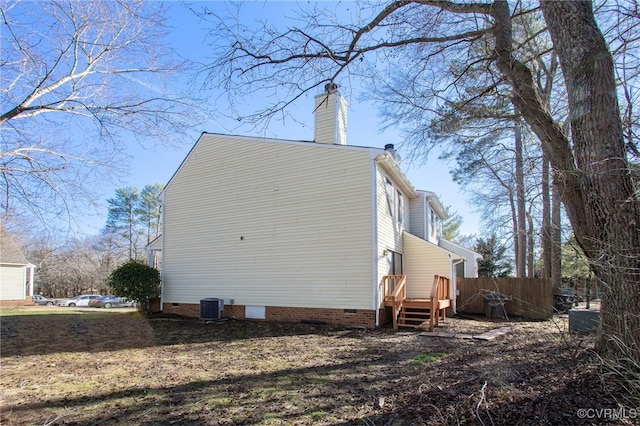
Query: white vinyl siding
390	229
422	261
418	216
330	119
269	223
13	279
470	258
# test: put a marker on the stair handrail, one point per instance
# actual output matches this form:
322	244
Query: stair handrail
398	295
439	291
391	283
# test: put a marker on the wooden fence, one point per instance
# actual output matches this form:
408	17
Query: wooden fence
529	297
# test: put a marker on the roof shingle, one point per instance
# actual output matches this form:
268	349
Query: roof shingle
9	252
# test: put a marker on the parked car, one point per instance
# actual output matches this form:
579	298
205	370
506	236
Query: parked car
111	302
82	300
39	299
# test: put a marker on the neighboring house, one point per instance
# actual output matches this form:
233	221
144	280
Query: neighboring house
16	273
298	230
154	253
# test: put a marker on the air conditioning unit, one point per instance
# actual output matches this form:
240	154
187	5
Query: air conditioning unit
211	308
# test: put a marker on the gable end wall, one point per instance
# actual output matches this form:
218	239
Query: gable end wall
269	224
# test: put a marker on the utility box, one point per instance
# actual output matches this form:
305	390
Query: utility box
211	308
584	320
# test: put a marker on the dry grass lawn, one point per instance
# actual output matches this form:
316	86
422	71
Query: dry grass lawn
69	366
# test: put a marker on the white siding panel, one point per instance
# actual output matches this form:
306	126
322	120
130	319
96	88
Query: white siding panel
422	262
330	119
13	282
390	231
470	262
470	268
418	218
269	224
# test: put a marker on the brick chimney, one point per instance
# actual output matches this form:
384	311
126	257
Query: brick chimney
330	116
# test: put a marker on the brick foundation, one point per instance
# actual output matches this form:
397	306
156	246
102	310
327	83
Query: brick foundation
344	317
182	309
28	301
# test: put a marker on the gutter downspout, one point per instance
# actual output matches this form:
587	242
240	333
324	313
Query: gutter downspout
28	278
161	197
374	240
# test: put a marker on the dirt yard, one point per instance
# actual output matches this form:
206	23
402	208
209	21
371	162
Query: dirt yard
90	367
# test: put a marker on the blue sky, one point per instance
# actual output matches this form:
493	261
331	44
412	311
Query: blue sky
149	164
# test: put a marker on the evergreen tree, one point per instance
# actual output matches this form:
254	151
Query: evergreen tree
148	211
121	218
495	262
451	226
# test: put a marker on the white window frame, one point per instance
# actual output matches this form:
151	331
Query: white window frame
389	191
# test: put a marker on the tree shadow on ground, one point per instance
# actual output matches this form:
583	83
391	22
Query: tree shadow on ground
248	372
24	335
319	394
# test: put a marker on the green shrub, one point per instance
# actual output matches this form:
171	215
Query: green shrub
136	281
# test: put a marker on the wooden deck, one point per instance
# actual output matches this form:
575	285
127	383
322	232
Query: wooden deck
416	313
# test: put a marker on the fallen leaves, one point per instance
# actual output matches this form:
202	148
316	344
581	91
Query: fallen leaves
126	369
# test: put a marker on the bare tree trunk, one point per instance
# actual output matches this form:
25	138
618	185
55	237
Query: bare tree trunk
545	232
556	240
608	224
592	171
521	241
530	246
514	225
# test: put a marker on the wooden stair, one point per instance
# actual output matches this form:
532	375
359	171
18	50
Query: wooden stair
416	313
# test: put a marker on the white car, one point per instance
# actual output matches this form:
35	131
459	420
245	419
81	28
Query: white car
82	300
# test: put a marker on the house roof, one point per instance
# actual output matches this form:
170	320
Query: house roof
9	252
391	166
435	203
156	243
452	255
457	248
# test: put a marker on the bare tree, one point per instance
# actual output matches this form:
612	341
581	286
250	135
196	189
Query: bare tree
79	78
69	269
590	162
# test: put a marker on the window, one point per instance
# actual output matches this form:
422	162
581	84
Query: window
435	225
394	261
395	205
388	188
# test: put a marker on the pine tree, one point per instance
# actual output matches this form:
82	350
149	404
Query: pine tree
494	261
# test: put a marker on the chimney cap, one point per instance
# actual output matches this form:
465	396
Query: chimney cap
331	87
391	150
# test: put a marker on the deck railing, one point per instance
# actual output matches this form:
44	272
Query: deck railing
395	292
440	288
440	299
